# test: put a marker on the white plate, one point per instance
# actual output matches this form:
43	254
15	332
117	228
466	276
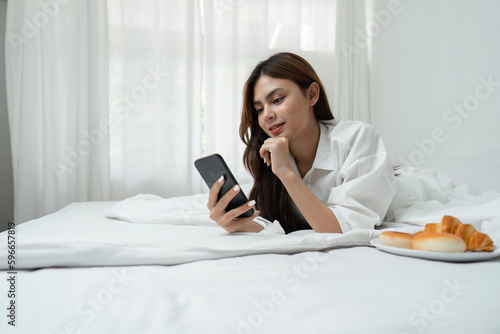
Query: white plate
438	256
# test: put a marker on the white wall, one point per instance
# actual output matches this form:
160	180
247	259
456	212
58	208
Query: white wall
428	58
6	183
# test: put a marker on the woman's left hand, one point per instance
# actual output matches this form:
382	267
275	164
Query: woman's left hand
276	153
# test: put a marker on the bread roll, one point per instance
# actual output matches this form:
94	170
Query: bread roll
438	242
396	239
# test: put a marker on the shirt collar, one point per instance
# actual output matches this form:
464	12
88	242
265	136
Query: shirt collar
324	154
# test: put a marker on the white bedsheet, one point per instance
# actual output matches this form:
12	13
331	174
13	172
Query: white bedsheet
157	276
151	209
80	235
149	230
426	195
350	290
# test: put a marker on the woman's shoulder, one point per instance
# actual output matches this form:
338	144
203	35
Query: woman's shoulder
349	130
353	138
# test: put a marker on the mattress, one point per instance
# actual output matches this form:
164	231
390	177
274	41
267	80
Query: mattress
78	271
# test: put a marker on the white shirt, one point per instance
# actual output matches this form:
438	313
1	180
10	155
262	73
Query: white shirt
352	173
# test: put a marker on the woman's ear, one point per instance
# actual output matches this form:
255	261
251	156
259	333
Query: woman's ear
313	93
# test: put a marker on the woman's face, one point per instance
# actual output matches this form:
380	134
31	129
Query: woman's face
283	109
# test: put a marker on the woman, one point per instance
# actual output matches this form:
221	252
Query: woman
310	170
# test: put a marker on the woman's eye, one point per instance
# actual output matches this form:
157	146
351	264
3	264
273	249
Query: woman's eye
278	100
259	110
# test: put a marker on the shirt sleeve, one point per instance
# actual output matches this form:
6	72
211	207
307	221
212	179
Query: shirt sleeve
365	183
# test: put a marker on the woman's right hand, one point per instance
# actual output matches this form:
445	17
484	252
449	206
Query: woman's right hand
228	220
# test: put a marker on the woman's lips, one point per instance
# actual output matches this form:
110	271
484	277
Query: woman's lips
276	129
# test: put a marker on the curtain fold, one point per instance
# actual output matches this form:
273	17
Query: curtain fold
57	93
108	99
351	77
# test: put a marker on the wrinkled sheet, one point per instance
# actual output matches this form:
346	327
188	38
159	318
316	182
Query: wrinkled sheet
426	195
81	272
346	290
149	230
79	235
423	196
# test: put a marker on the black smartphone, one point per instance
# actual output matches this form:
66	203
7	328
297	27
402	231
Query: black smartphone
211	169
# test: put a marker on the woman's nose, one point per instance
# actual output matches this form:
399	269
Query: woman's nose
269	113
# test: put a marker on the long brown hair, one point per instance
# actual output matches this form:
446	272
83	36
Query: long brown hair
273	201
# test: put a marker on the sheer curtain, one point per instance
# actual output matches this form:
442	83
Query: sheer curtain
351	97
56	74
148	87
155	95
203	51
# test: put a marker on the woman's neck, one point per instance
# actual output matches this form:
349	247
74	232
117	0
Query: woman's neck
304	148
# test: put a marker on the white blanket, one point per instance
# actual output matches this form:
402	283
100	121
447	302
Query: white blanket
426	195
178	230
151	209
80	235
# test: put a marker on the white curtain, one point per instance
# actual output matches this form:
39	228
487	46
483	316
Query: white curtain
203	51
351	76
164	78
57	84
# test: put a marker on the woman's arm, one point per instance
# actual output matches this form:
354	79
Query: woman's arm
361	191
275	152
318	215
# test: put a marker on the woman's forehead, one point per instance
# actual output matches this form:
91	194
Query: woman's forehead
266	85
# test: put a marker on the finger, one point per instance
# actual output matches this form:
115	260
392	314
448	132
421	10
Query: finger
218	212
235	213
234	225
265	153
214	192
228	196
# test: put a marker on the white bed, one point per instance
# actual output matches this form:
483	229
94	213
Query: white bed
79	271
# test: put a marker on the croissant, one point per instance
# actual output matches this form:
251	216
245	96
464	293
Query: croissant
475	241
